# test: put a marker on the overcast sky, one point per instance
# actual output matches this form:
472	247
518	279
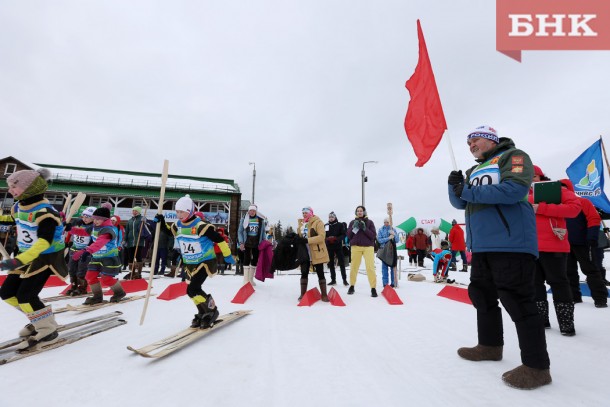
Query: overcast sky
308	90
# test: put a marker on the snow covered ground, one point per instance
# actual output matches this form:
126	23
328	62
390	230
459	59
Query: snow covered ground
368	353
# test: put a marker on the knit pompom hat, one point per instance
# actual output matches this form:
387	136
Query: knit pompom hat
101	213
186	204
33	182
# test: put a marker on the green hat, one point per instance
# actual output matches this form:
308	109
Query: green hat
137	209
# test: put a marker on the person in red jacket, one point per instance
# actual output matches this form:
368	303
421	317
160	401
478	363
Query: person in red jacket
458	244
220	263
583	233
553	249
410	245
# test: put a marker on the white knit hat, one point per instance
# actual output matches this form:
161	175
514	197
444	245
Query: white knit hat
89	211
185	204
485	132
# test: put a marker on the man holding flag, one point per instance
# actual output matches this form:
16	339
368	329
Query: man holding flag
501	233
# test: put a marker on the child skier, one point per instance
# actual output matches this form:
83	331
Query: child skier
80	236
196	239
442	260
41	254
104	258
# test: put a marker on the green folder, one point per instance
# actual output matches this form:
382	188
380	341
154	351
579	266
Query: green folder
547	191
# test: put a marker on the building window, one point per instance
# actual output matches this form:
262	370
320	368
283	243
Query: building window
55	199
97	201
217	208
10	168
139	202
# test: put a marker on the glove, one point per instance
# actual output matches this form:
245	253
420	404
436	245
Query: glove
78	254
455	177
457	190
68	226
229	259
159	218
10	264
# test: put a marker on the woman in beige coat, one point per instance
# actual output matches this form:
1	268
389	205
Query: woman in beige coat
311	228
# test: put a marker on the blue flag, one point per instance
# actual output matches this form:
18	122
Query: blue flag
587	175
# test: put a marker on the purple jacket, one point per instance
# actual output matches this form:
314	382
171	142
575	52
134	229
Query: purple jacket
363	238
265	257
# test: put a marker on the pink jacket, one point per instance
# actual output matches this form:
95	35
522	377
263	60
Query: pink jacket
265	256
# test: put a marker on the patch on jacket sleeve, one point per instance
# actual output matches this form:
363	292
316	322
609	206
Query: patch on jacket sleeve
517	169
517	160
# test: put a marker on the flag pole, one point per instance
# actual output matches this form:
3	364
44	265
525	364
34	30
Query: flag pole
451	153
601	142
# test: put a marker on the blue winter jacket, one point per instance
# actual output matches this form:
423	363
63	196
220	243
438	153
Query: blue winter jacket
498	216
383	235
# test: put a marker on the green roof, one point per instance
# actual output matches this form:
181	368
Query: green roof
134	192
146	174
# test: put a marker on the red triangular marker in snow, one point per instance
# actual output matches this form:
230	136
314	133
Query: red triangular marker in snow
54	281
335	298
455	294
173	291
310	297
243	294
131	286
390	295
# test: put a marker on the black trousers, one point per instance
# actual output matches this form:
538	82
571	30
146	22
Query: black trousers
319	269
336	249
582	255
551	267
508	277
26	290
421	255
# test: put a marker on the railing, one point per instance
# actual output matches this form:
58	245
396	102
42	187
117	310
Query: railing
90	179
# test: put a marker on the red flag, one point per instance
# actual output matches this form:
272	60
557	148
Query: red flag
425	121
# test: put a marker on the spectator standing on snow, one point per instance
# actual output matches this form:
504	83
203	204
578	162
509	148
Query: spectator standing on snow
501	231
361	235
420	241
311	228
458	245
583	234
250	234
335	234
384	235
553	248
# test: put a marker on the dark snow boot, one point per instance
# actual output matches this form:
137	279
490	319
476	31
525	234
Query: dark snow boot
208	311
373	292
565	317
345	283
543	310
196	322
527	378
481	352
118	292
323	290
97	298
351	290
332	282
303	288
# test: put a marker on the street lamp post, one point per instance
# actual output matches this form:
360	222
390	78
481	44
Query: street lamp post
253	180
364	178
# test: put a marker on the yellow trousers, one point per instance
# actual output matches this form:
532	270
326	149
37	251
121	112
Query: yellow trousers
369	260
